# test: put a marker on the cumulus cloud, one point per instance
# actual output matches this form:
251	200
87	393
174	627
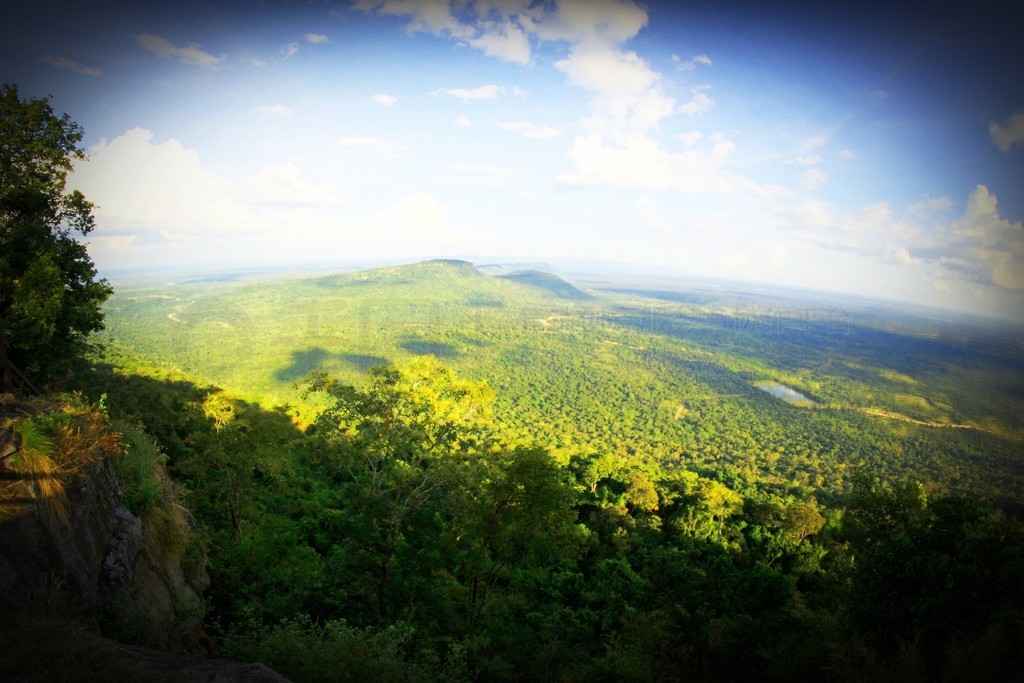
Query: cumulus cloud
415	220
494	27
146	187
692	63
813	179
503	39
979	247
71	65
371	145
1007	135
192	54
290	50
996	244
529	129
281	186
621	140
483	92
462	121
699	102
135	182
158	205
275	110
316	38
644	164
505	28
805	160
384	99
475	173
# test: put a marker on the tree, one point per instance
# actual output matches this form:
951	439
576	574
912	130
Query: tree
394	449
50	296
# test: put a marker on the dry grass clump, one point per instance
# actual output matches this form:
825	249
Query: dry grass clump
45	448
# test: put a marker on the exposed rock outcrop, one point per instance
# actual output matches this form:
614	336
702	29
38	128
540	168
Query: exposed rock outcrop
72	548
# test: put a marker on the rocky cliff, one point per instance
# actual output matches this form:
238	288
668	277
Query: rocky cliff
74	561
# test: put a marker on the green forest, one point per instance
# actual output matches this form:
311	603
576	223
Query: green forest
438	472
443	472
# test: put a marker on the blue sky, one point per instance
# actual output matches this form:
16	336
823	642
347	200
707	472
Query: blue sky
857	148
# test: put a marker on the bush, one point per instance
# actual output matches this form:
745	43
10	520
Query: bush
336	652
140	470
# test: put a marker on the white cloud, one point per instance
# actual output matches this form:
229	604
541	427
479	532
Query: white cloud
813	179
192	54
699	102
979	247
996	244
529	129
371	145
503	39
462	121
155	186
258	63
505	28
734	260
469	168
608	71
275	110
413	221
71	65
384	99
1011	133
158	205
577	21
899	254
930	205
290	50
316	38
691	138
483	92
692	63
847	154
478	174
643	164
805	160
493	27
280	185
621	143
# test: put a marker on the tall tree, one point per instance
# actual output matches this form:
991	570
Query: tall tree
50	296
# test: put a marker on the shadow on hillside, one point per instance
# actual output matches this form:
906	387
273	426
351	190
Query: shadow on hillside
426	348
171	410
317	358
362	362
303	362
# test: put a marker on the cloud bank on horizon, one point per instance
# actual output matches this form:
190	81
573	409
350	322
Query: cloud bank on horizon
797	152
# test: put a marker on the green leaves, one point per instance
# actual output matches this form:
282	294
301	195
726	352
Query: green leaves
49	294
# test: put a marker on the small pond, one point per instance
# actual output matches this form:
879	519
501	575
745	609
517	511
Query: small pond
790	396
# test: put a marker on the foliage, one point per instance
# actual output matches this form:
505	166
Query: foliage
140	470
50	296
627	505
334	651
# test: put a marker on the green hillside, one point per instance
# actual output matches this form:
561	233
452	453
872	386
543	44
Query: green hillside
641	375
549	283
428	472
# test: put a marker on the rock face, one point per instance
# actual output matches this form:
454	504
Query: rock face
88	557
104	561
